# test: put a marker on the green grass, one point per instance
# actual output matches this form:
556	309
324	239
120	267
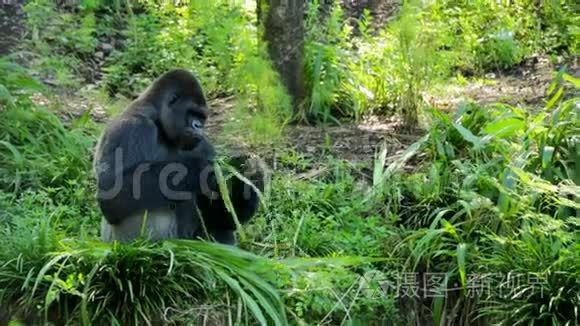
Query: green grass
62	280
493	192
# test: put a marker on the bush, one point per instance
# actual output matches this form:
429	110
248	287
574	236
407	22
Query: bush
483	35
216	40
484	206
85	281
61	41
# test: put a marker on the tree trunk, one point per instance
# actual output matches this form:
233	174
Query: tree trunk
283	22
11	25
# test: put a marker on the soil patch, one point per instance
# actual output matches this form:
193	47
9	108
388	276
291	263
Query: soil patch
525	85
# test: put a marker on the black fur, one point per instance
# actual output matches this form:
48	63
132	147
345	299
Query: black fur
158	131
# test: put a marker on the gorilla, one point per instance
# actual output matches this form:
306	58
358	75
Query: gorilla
153	166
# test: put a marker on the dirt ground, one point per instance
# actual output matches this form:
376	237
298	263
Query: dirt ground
358	142
524	85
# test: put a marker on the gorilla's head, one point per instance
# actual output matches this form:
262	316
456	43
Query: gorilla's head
179	99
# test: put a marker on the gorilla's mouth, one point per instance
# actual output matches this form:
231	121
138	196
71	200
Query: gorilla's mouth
190	141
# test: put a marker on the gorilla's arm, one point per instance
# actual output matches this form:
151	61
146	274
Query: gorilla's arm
142	182
119	196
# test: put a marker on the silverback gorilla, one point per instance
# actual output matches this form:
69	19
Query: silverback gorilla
153	166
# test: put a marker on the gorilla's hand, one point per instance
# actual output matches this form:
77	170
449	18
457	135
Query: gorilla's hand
243	196
254	169
251	167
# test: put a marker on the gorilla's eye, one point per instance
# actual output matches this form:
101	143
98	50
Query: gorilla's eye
196	115
173	99
196	124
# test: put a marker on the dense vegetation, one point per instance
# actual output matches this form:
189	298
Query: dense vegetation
474	223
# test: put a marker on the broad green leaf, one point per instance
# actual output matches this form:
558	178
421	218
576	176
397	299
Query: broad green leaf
379	166
547	155
461	253
470	137
573	80
450	228
504	128
438	309
504	199
554	99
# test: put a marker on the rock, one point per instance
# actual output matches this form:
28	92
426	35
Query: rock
107	47
99	55
89	87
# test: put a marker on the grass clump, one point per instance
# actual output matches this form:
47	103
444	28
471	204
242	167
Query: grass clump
483	211
84	281
38	152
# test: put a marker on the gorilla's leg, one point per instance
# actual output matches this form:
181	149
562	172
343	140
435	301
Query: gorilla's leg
159	225
224	236
106	231
188	220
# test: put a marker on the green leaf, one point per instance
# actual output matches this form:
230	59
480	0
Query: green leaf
449	228
18	157
5	96
508	183
438	310
554	99
470	137
547	155
25	82
246	298
15	323
223	188
504	128
571	79
461	254
379	166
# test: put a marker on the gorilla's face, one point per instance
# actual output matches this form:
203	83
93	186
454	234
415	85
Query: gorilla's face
191	116
184	121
